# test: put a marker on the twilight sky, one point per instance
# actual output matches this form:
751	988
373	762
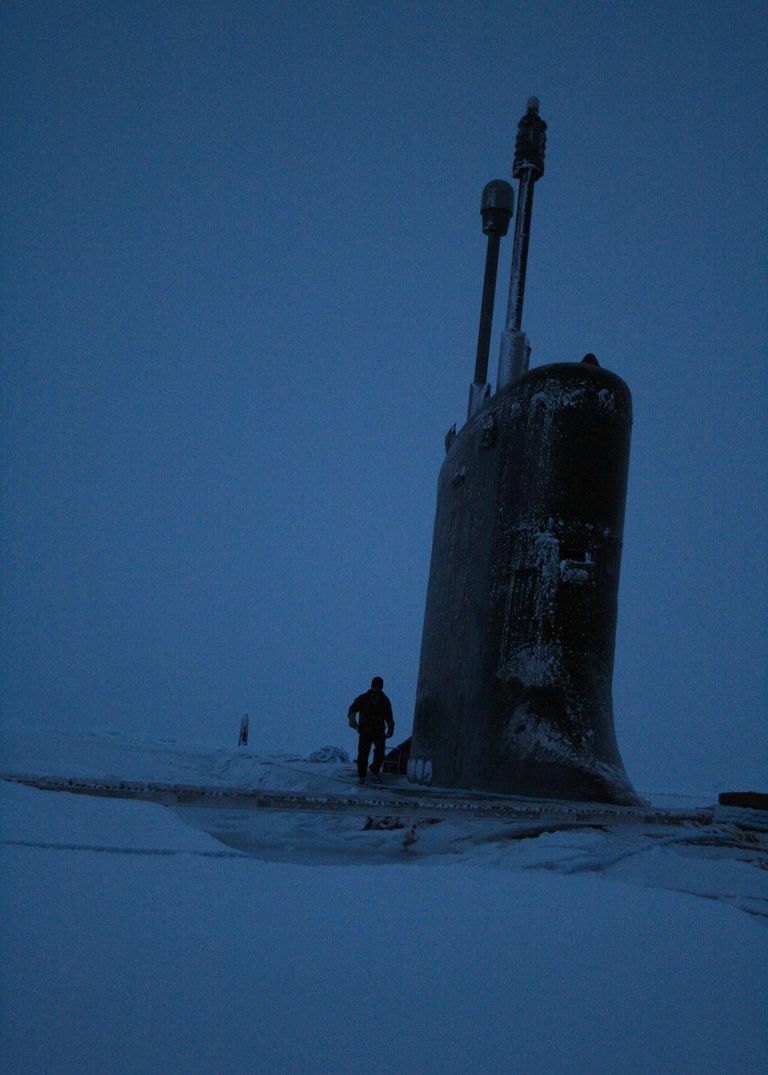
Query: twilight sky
240	288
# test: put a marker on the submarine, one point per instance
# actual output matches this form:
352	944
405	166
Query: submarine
514	692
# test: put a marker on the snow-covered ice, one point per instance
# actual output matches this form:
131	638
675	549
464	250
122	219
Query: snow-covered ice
141	939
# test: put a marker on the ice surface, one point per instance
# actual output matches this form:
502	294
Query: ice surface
134	943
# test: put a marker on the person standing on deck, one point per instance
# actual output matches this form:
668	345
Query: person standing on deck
371	716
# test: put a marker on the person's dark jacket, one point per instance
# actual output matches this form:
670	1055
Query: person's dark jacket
375	711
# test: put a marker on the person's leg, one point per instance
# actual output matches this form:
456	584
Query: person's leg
363	750
378	754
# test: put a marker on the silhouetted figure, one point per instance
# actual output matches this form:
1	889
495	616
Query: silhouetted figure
374	725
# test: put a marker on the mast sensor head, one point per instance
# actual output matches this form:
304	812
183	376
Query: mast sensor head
496	206
531	143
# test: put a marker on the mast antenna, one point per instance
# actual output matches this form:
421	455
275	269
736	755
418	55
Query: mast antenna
496	207
527	168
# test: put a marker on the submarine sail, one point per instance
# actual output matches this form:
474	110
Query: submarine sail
514	689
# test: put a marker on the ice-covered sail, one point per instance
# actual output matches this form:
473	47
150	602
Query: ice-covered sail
514	689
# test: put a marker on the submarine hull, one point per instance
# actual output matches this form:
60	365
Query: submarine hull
514	688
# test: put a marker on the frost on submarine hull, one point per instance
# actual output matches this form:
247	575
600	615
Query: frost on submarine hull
514	689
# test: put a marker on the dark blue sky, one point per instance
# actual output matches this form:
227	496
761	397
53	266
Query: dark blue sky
241	284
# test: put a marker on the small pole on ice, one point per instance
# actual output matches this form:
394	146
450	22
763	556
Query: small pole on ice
243	740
